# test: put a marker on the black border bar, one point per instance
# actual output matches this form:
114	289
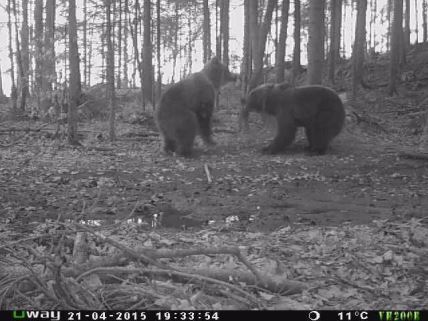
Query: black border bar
200	315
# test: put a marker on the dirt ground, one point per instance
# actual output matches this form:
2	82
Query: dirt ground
362	178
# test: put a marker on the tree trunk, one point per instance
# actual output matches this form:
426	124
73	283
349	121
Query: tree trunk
246	50
133	26
416	21
246	66
119	47
218	33
110	72
276	40
85	42
397	31
103	52
296	51
147	56
158	49
224	26
280	54
316	42
206	32
254	31
91	34
359	47
25	62
406	34
39	54
175	49
336	17
125	47
259	51
374	10
74	82
13	90
49	51
189	41
424	20
388	17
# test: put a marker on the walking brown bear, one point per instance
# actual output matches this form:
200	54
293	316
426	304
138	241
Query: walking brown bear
185	109
316	108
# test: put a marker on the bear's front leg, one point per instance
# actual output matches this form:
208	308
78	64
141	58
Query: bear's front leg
286	132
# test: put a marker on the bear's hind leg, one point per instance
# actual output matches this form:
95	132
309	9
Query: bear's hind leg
204	121
319	140
186	136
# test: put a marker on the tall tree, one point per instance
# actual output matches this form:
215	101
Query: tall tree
375	15
49	47
406	34
224	27
85	42
246	50
103	52
280	53
359	47
254	30
424	20
389	8
158	48
125	46
177	29
147	56
416	21
110	71
39	54
335	27
119	47
206	37
25	58
397	31
133	26
316	41
74	82
13	89
218	34
259	51
296	51
189	42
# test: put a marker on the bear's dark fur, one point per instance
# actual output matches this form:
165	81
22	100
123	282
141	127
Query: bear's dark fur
185	109
316	108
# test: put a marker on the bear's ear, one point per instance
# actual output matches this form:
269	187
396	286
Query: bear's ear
215	60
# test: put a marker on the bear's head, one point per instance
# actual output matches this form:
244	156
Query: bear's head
256	99
218	73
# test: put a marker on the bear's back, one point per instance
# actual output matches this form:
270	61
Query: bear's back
188	93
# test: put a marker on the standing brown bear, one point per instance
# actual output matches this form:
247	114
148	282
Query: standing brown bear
316	108
185	109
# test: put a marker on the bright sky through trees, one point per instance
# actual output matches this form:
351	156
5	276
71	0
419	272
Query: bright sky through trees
235	45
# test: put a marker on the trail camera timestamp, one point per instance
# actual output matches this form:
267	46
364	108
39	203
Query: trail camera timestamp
184	316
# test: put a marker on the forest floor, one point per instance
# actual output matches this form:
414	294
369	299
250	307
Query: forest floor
351	225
